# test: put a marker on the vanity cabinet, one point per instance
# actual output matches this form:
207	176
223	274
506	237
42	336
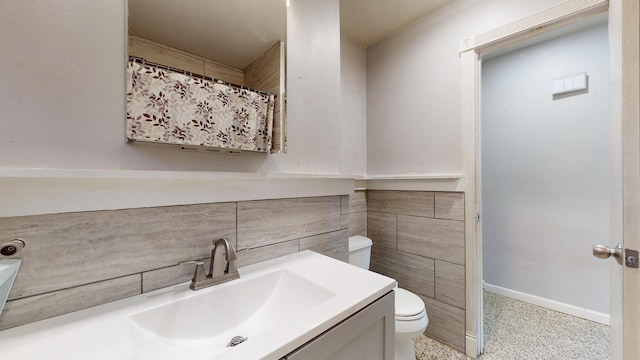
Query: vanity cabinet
367	334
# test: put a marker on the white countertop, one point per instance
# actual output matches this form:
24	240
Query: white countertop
108	332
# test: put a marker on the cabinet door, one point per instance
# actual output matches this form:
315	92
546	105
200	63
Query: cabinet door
368	334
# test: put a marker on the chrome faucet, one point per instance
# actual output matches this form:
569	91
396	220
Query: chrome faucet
201	280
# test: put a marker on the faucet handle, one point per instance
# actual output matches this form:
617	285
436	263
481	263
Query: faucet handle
199	275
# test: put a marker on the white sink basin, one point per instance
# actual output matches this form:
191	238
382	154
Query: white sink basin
204	324
279	305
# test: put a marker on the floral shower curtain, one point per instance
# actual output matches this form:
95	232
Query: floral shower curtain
170	107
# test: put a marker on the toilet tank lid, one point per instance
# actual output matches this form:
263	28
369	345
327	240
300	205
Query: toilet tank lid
358	242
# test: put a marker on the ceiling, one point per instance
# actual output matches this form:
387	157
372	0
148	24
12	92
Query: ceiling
232	32
236	32
369	21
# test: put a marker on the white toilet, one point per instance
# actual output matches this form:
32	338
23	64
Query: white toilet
411	315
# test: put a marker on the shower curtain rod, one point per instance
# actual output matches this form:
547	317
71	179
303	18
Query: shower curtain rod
188	73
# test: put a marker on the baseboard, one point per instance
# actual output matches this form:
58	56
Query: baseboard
550	304
471	346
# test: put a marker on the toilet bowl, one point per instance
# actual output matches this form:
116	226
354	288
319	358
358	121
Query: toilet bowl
411	318
411	321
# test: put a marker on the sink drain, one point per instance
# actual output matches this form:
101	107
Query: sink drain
236	340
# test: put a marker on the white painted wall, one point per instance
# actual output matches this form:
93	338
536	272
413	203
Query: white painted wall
413	87
354	107
545	171
313	90
62	92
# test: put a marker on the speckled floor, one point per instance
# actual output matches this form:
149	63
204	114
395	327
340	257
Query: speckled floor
518	330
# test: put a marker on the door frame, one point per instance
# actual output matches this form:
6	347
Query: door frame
471	50
626	17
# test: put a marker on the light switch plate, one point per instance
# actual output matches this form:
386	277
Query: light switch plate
580	82
570	83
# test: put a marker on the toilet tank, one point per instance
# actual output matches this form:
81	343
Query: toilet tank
360	251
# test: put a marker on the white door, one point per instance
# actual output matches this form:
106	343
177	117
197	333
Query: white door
624	27
625	281
625	292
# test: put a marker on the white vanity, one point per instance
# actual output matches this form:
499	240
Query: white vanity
300	306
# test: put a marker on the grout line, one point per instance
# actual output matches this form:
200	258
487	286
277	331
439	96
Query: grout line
267	245
77	286
435	288
291	240
396	232
434	206
448	262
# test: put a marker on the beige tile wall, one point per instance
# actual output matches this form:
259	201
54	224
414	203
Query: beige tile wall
418	239
357	209
308	216
264	74
78	260
165	55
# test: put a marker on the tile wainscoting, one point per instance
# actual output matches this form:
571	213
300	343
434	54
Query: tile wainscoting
78	260
418	239
358	213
